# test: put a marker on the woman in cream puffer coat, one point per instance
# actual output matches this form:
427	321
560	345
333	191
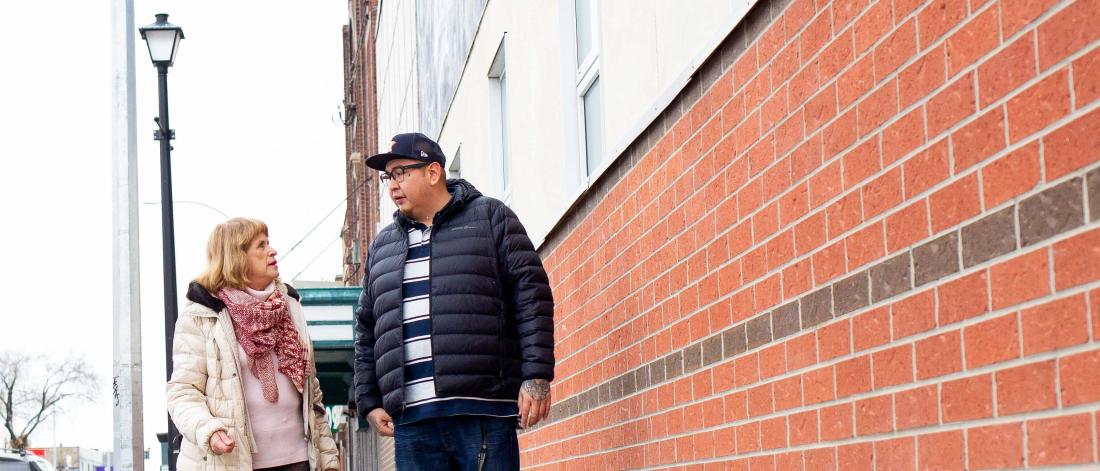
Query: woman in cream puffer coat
206	394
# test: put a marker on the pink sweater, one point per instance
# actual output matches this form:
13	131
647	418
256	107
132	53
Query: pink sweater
278	427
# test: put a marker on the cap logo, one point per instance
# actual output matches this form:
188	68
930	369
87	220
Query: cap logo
393	145
424	154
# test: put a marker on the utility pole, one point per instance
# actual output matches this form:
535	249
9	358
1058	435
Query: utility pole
127	391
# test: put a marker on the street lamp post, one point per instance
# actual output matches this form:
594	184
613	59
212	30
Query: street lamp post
163	39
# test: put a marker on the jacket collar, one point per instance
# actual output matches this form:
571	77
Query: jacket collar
198	294
462	192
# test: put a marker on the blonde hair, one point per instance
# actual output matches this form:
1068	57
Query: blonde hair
227	253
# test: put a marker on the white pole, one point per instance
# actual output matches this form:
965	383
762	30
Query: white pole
128	431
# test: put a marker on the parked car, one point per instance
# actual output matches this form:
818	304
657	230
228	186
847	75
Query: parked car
22	461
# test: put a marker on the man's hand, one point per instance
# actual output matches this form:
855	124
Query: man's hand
381	421
534	402
220	443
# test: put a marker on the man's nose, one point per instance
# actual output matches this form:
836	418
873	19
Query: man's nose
394	184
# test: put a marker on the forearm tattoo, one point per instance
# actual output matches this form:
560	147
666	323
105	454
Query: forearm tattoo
538	389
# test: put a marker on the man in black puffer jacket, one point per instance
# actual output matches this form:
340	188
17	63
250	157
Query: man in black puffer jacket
454	331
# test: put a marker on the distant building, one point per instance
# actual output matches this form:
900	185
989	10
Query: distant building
361	218
72	458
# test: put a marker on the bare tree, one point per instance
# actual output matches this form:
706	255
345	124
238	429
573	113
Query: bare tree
33	390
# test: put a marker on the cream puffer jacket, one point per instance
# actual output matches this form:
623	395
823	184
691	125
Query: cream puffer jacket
205	393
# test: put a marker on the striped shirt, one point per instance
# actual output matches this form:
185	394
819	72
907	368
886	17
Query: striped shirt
421	401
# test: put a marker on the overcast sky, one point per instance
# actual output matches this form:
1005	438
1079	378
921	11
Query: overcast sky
253	99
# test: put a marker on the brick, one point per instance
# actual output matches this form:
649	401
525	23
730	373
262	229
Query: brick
1020	279
801	351
1011	175
817	386
1054	325
816	34
1075	260
1022	13
963	298
882	194
794	204
939	355
825	184
967	398
907	226
870	329
797	279
833	340
992	341
851	293
1026	388
927	169
897	454
1093	184
936	259
877	107
816	307
773	433
955	203
939	17
773	361
792	460
747	369
758	331
1067	32
846	10
1006	70
1055	210
1060	440
1086	78
734	341
820	459
712	350
950	105
803	428
748	437
1038	106
865	245
972	41
855	457
995	446
810	233
943	450
902	136
914	314
989	237
785	320
892	366
1072	146
874	415
851	85
921	77
788	393
898	47
1094	300
760	400
844	214
853	376
693	357
1078	379
916	407
890	278
836	422
979	139
873	25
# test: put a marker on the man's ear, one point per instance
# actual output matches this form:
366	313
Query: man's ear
437	173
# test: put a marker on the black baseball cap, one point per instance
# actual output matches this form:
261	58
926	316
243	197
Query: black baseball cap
411	145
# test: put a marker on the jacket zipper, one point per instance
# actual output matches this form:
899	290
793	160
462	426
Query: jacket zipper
240	382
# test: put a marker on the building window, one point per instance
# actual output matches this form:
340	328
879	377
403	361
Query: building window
498	119
589	96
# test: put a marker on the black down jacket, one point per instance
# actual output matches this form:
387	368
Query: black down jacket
491	308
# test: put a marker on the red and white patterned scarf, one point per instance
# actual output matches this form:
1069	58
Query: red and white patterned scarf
263	326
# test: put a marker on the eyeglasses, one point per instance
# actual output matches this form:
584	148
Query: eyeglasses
398	173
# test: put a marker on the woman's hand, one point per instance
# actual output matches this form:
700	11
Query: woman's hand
220	443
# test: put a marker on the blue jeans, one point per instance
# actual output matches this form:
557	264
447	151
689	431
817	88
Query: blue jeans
455	443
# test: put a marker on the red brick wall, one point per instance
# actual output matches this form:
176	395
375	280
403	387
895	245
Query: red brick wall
867	236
